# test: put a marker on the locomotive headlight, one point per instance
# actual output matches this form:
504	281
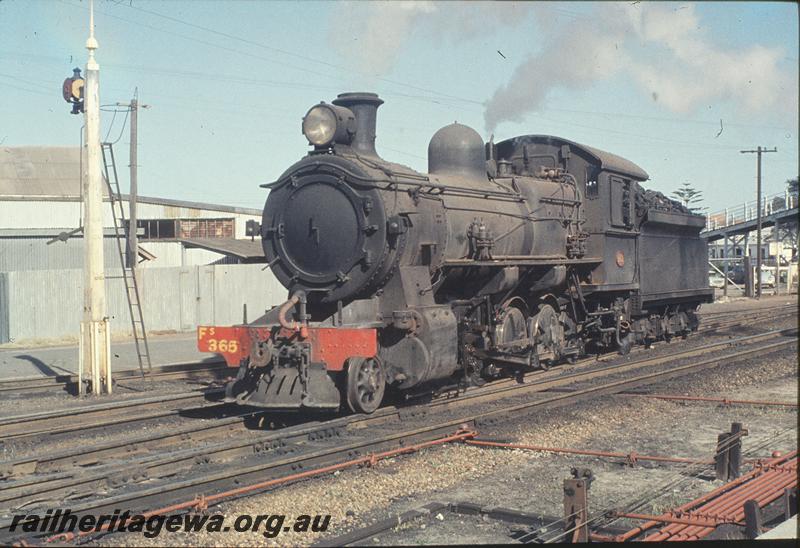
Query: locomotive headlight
324	124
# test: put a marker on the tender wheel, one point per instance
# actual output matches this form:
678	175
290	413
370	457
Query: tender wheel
366	384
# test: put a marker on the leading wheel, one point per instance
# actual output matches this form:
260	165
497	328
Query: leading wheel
366	384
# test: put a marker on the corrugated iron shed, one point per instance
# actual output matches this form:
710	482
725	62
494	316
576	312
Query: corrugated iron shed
246	250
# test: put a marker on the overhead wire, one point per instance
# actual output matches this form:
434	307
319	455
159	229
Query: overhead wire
111	125
230	78
250	54
122	130
448	96
438	97
605	130
302	57
36	91
350	69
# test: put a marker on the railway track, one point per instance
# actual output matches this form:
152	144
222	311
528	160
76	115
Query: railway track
724	313
200	371
216	369
721	320
35	426
50	426
183	473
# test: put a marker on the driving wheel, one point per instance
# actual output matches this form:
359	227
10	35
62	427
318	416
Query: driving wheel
547	333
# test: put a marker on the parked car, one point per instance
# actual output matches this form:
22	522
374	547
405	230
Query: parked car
767	276
715	279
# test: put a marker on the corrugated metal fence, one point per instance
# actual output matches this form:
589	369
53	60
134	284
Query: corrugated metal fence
47	304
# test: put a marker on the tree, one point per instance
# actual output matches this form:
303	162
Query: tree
791	184
688	195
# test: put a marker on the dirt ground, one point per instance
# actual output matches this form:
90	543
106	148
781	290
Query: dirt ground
532	481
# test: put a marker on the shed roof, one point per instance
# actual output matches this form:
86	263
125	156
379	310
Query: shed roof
40	171
53	173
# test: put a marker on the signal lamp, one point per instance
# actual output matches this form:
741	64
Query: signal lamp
72	91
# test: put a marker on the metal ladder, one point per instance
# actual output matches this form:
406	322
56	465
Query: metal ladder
128	275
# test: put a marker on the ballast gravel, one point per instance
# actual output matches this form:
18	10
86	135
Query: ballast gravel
527	480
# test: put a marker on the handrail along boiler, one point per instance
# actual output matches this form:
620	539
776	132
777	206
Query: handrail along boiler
502	257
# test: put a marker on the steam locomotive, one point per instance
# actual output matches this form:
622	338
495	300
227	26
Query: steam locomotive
504	257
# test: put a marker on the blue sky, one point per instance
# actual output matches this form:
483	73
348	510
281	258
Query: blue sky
228	83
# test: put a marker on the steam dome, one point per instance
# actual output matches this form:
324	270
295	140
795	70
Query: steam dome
457	150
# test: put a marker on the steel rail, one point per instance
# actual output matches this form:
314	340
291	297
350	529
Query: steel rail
568	374
630	458
209	370
50	462
128	447
372	441
201	370
202	503
714	324
99	416
724	401
723	313
103	414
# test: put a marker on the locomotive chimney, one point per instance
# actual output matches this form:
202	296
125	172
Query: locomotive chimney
365	107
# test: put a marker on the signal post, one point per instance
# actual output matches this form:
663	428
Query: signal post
95	337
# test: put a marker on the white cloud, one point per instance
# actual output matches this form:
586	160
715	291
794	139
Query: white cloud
663	48
372	34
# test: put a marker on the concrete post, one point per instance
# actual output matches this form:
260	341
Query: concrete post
95	334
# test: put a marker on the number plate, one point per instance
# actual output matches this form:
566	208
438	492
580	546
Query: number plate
231	342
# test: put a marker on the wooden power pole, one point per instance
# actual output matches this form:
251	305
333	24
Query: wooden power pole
132	245
133	241
759	151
